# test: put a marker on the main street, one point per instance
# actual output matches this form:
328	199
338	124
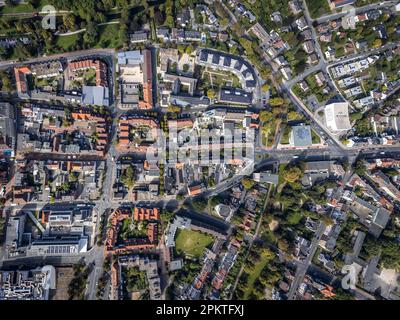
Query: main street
66	55
349	9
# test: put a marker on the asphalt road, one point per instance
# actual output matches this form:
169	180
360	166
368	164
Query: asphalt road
66	55
358	10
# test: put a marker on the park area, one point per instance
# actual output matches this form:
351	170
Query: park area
192	243
24	7
66	42
255	271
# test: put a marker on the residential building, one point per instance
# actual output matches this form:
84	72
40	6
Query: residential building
138	37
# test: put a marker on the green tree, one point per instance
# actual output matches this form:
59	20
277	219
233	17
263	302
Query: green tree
69	21
377	43
247	183
359	168
5	82
128	177
292	115
174	109
266	87
211	94
91	34
265	116
266	129
274	102
4	52
123	34
292	174
189	49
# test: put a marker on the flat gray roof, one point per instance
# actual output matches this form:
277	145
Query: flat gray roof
302	136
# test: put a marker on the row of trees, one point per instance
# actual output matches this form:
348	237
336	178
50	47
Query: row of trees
5	82
128	177
77	286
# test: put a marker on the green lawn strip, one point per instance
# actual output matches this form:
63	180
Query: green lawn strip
282	168
286	134
109	36
153	30
19	8
66	42
315	137
272	135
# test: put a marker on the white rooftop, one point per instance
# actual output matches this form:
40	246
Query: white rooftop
337	116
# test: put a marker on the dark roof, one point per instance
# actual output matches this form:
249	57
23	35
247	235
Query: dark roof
189	100
184	16
235	96
245	72
192	34
251	83
215	58
238	65
373	14
380	219
203	55
227	61
139	36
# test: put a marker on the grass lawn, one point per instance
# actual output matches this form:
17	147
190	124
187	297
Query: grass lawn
315	137
286	135
318	8
281	169
271	137
109	36
153	30
192	243
26	7
255	274
45	82
90	77
43	3
2	229
20	8
67	41
222	79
